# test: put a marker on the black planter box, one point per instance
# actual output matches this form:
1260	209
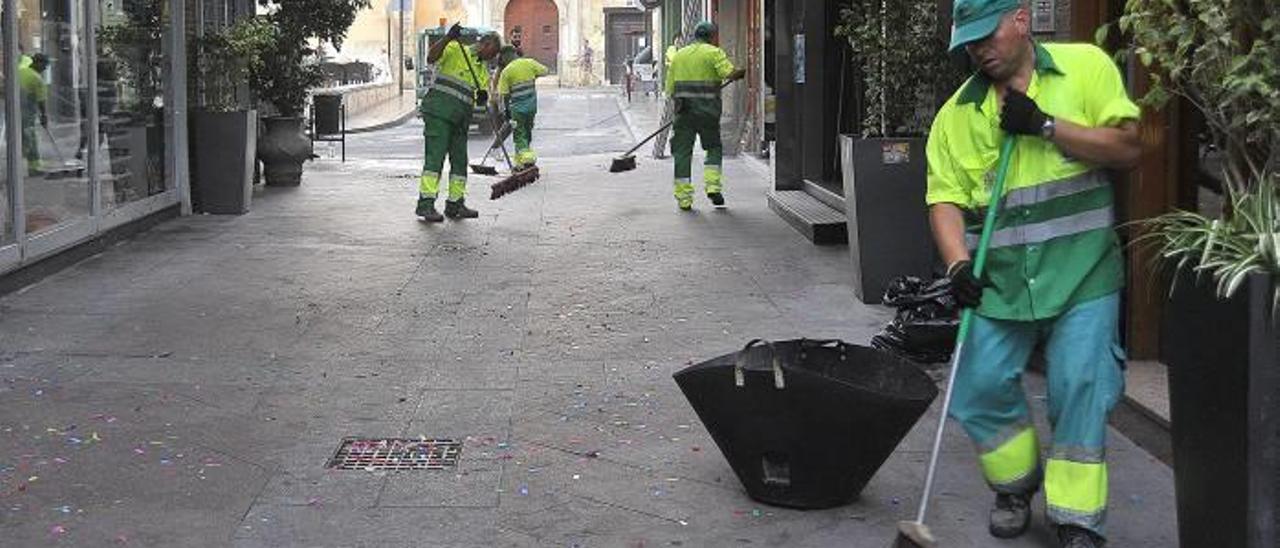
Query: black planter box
223	146
889	236
1224	391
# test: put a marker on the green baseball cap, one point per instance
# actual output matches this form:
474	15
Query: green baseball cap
977	19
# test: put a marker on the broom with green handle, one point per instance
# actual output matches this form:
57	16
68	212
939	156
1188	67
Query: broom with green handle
915	534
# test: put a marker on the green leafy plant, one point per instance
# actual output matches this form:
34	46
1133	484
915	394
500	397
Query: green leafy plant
293	32
900	50
1223	57
222	60
131	44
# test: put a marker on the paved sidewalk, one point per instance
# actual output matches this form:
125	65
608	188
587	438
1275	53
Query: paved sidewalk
187	388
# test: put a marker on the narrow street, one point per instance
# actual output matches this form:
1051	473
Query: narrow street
188	387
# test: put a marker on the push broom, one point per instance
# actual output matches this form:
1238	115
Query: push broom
627	161
499	135
516	181
915	534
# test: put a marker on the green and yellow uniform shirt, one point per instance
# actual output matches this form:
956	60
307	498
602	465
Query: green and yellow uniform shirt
452	96
34	93
518	82
1054	245
696	72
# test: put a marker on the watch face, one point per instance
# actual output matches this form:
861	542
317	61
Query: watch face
1047	129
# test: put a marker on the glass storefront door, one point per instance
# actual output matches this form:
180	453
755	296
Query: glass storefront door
51	73
131	99
87	120
6	203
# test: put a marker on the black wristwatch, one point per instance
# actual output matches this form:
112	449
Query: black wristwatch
1048	128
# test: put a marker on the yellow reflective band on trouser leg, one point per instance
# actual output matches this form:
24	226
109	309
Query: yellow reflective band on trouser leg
1076	492
429	185
1011	467
457	188
684	193
526	157
711	177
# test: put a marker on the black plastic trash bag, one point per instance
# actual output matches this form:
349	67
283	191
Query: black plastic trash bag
806	423
924	330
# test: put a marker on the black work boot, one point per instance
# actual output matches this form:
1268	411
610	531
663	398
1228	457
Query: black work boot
458	210
1011	516
427	211
717	199
1070	536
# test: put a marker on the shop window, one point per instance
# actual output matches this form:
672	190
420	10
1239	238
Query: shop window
130	89
6	207
51	72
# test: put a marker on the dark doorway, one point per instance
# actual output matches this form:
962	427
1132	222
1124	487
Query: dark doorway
534	27
624	32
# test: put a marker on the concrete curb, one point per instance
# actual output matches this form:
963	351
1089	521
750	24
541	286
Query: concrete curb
398	120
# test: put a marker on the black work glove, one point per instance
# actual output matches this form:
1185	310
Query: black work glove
455	31
1020	114
44	119
965	287
482	97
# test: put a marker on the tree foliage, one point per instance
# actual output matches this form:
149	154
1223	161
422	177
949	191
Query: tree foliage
293	32
1223	56
900	50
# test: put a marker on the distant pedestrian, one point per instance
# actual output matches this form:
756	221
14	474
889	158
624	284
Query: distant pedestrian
694	80
461	84
517	87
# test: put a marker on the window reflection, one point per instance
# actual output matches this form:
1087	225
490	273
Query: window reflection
131	99
6	209
51	71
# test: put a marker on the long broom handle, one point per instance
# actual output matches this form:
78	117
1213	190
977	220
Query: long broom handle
665	127
966	318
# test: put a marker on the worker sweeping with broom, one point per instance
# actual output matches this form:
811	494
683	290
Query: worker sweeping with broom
460	83
694	80
517	86
1053	268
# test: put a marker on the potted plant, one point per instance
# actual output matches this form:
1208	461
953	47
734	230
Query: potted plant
903	74
224	129
293	32
1219	336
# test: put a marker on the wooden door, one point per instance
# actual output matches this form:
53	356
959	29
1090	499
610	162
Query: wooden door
534	27
624	29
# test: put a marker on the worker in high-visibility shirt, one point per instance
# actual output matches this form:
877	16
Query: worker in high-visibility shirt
517	86
1054	266
461	82
694	79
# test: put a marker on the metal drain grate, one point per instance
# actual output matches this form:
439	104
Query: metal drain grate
396	454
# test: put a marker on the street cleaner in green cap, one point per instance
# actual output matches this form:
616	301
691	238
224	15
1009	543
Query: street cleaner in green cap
517	85
694	79
460	83
1054	269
